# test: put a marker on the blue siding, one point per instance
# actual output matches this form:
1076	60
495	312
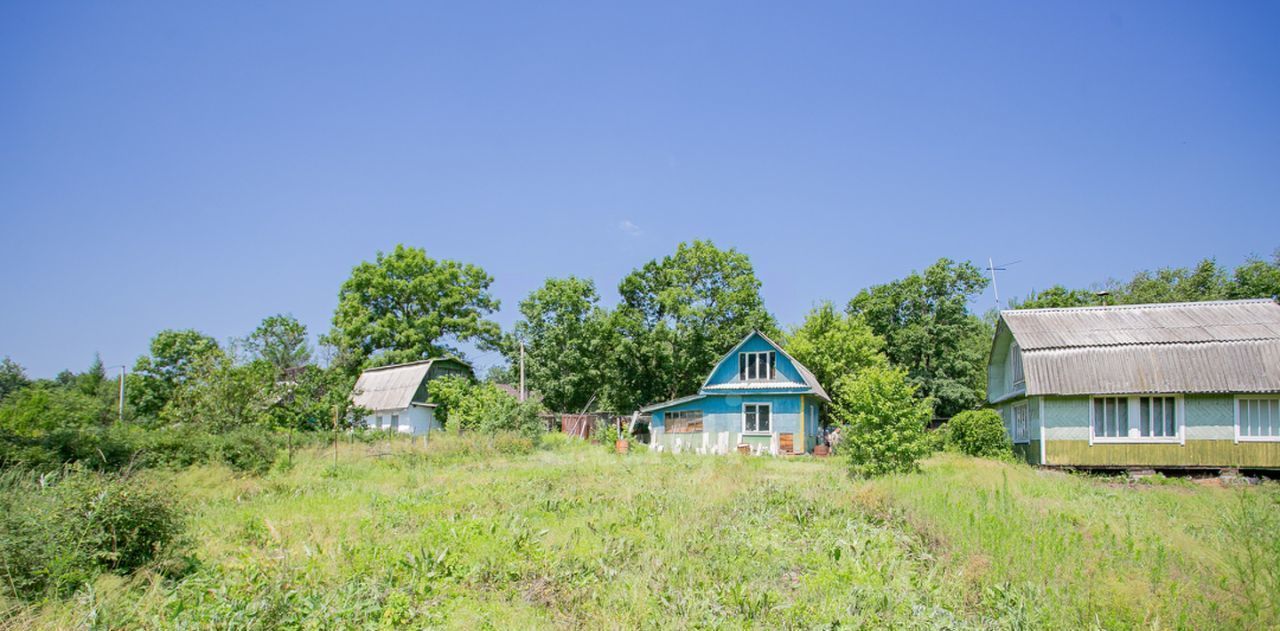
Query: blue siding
722	411
727	370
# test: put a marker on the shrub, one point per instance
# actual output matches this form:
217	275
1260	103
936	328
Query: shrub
884	423
56	537
978	433
248	450
487	409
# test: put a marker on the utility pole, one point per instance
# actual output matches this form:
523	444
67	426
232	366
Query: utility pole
121	403
335	437
522	372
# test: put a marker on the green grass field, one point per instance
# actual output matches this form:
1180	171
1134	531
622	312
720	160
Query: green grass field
574	537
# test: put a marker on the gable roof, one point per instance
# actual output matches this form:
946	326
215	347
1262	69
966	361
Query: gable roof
810	384
392	387
1221	346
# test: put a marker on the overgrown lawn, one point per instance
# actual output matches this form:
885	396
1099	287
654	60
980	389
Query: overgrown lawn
579	538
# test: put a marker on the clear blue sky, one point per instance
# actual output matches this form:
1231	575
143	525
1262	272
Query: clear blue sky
208	164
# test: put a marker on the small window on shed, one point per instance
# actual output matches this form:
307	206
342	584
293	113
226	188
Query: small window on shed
684	422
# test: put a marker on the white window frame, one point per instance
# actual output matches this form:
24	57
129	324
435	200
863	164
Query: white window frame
395	422
757	431
1240	438
1016	381
1133	402
744	365
1026	423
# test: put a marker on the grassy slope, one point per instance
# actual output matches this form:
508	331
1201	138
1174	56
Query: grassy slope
582	538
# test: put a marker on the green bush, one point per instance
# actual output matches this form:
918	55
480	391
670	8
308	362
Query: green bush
978	433
486	409
884	422
123	446
58	532
249	450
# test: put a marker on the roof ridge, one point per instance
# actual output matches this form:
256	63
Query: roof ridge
1145	305
1148	343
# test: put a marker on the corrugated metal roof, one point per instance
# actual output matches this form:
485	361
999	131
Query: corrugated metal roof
673	402
1144	324
390	387
756	385
1205	347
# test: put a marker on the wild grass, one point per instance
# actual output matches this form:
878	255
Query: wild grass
563	536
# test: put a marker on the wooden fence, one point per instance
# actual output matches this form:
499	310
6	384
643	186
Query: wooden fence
586	425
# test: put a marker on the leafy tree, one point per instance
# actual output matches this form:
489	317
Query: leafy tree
677	317
174	357
504	373
447	393
1057	297
220	395
406	306
1206	282
566	336
884	422
46	407
833	344
91	382
309	400
486	409
281	340
1257	279
12	377
928	330
978	433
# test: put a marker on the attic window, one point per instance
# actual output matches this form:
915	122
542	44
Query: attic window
757	365
1016	376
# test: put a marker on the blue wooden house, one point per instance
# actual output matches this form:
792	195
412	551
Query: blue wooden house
757	395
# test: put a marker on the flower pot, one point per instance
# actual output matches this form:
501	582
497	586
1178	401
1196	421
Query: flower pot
622	446
821	450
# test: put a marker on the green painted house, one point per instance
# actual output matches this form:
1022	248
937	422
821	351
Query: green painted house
1187	385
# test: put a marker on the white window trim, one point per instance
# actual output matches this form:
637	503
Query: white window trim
769	361
1180	409
1236	406
1013	423
744	419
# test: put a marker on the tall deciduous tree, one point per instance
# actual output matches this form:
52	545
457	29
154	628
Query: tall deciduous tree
281	341
1057	296
174	358
928	330
12	377
566	336
1170	284
833	345
677	316
406	306
1257	278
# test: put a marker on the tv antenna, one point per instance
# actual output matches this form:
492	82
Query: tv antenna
993	268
